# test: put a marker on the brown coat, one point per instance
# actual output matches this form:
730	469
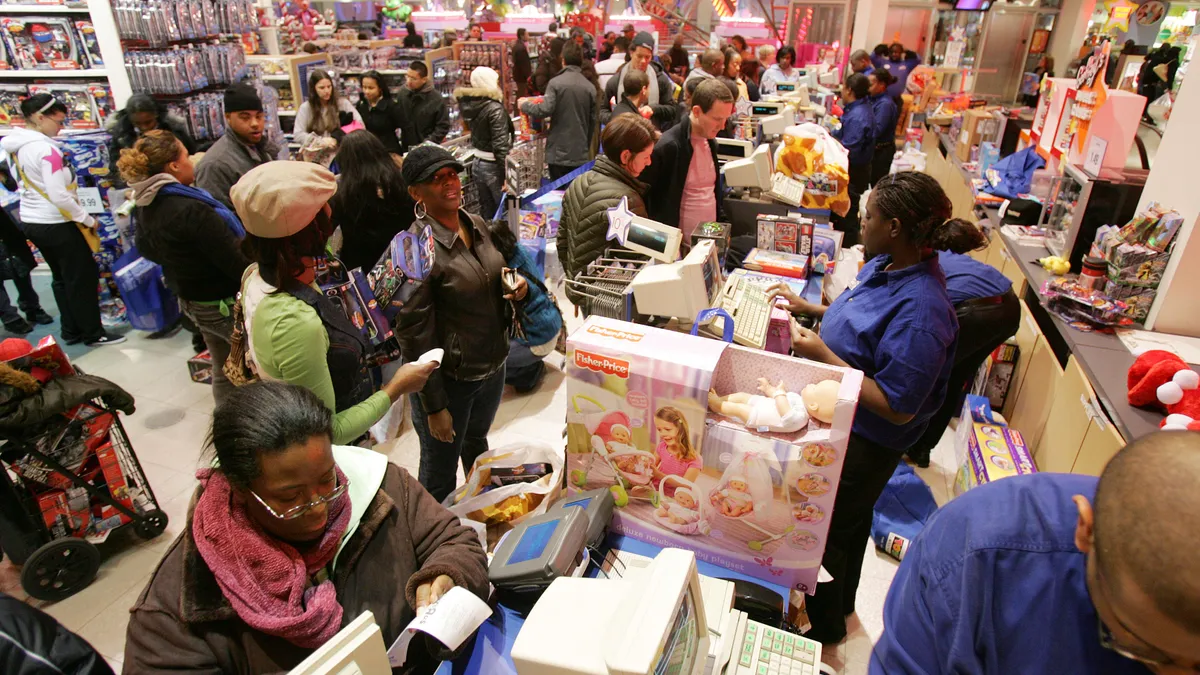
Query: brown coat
182	621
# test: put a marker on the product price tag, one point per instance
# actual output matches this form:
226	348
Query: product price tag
1095	155
90	199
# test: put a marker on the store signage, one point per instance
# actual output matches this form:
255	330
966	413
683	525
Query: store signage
90	199
1095	155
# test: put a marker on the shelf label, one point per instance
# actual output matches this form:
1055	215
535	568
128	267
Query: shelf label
1095	155
90	199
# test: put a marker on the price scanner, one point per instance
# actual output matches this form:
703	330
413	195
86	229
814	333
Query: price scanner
598	506
540	550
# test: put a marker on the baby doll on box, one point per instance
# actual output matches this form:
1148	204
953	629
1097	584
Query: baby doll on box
730	452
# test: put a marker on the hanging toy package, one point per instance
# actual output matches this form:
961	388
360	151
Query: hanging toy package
89	46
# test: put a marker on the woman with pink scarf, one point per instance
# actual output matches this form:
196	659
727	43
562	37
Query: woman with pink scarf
289	540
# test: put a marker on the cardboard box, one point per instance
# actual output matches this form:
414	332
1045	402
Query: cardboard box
986	449
761	501
114	475
979	125
785	234
200	367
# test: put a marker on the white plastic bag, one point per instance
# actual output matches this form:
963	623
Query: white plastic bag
530	499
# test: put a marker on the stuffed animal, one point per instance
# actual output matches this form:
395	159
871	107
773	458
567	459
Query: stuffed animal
1162	380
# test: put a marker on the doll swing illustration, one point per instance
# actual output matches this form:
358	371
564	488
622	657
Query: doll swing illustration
611	440
684	511
745	492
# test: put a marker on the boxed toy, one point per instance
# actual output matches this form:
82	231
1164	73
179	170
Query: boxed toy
11	96
200	367
718	232
689	436
785	234
826	245
406	263
91	48
40	42
986	449
792	265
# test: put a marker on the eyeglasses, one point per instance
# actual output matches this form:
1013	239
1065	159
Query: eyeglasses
1108	642
339	489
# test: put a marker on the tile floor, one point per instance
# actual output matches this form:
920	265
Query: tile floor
168	431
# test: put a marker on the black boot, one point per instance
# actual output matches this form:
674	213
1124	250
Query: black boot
40	317
18	326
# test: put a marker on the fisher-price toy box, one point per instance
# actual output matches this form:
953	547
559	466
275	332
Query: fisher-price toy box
986	449
658	417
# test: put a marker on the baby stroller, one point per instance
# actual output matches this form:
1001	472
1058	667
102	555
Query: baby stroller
682	486
751	502
599	424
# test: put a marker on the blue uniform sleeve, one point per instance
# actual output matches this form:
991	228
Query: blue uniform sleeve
909	360
915	623
885	120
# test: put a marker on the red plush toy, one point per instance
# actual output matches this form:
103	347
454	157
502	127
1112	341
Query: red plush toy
1162	380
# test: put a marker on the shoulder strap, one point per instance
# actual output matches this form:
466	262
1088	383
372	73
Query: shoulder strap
25	179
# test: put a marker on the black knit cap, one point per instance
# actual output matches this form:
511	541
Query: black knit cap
425	160
241	97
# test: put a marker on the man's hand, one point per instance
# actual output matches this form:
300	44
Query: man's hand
429	592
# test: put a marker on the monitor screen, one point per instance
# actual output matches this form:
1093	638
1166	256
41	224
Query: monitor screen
765	109
679	653
647	238
712	275
533	542
972	5
785	86
733	149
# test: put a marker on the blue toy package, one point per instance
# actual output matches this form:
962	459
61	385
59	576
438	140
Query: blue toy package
827	243
406	263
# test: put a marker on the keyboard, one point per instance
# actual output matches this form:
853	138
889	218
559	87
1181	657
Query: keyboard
747	303
786	189
759	649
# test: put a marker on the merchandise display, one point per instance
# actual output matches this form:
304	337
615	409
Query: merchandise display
42	43
159	22
180	71
88	105
986	449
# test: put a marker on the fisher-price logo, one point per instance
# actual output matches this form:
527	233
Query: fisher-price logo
616	334
602	364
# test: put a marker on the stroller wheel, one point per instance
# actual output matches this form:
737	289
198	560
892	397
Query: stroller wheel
654	499
60	569
151	525
579	477
620	497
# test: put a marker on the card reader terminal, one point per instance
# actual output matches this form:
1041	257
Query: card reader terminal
598	505
540	550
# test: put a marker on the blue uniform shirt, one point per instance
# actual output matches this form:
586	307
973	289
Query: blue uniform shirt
900	329
994	584
883	108
856	133
969	279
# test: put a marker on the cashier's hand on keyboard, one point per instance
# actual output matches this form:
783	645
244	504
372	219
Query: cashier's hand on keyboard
793	302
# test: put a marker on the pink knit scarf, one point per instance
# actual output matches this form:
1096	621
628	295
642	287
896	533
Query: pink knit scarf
266	580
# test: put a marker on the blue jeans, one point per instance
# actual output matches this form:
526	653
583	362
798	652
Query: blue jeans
473	407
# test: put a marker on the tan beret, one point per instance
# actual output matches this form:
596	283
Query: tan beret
278	199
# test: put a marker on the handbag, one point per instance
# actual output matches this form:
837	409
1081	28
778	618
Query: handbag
239	369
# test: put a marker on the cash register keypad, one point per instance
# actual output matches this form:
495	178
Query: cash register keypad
770	651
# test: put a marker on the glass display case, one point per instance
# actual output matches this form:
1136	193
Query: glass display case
1079	205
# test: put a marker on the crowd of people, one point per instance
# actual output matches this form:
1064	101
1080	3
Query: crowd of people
242	236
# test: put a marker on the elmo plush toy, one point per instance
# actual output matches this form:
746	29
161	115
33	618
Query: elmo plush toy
1162	380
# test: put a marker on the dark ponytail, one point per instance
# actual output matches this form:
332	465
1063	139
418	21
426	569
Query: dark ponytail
958	236
918	202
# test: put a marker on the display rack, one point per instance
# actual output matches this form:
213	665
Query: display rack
493	54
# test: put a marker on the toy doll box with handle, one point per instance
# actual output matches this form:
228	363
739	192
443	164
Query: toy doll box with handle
699	451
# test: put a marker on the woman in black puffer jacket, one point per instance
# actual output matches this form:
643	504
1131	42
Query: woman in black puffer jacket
482	106
628	142
141	114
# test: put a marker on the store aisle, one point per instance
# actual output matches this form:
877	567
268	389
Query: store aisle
168	431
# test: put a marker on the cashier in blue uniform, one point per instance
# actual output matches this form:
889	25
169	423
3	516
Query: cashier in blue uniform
898	327
1056	574
857	135
988	314
886	116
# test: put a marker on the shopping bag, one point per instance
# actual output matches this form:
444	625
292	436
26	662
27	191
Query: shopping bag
901	511
811	155
481	500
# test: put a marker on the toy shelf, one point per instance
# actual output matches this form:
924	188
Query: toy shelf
42	9
52	74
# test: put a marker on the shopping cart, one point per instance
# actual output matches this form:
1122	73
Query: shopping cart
65	488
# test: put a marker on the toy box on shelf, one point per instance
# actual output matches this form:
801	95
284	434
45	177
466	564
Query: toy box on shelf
749	499
986	449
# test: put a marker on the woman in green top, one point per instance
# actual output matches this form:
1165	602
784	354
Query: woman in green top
295	333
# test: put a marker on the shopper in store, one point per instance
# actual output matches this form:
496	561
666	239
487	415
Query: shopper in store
606	68
250	585
54	220
34	642
571	105
898	327
462	309
492	134
683	179
522	64
988	314
732	75
637	92
372	204
381	115
539	319
662	90
195	238
424	114
857	135
142	113
448	38
582	38
679	60
860	62
16	263
244	146
606	46
295	333
712	64
782	70
1087	575
325	111
899	62
548	66
885	118
475	33
628	142
412	39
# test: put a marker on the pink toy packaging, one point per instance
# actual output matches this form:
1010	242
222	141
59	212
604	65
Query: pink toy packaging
730	452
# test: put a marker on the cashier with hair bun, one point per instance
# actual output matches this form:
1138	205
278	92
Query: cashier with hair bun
898	327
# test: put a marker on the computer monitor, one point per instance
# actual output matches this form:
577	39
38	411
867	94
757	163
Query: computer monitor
775	125
764	108
682	289
652	238
653	623
753	172
357	648
733	148
785	87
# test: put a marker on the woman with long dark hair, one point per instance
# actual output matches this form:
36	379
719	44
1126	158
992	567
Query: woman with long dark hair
289	537
143	113
194	237
372	204
380	113
295	333
325	112
898	327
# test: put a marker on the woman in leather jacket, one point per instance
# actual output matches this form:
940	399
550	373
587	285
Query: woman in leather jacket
482	106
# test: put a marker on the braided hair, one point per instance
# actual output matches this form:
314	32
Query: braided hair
922	207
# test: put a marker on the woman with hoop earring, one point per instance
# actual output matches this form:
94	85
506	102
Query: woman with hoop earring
461	307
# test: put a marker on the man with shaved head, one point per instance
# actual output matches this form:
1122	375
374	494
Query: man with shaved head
1056	573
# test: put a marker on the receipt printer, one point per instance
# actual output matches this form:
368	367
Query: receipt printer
540	550
597	505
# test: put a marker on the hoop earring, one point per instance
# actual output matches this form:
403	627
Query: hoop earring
420	211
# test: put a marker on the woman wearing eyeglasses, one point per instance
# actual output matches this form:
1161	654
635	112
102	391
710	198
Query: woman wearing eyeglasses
290	539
